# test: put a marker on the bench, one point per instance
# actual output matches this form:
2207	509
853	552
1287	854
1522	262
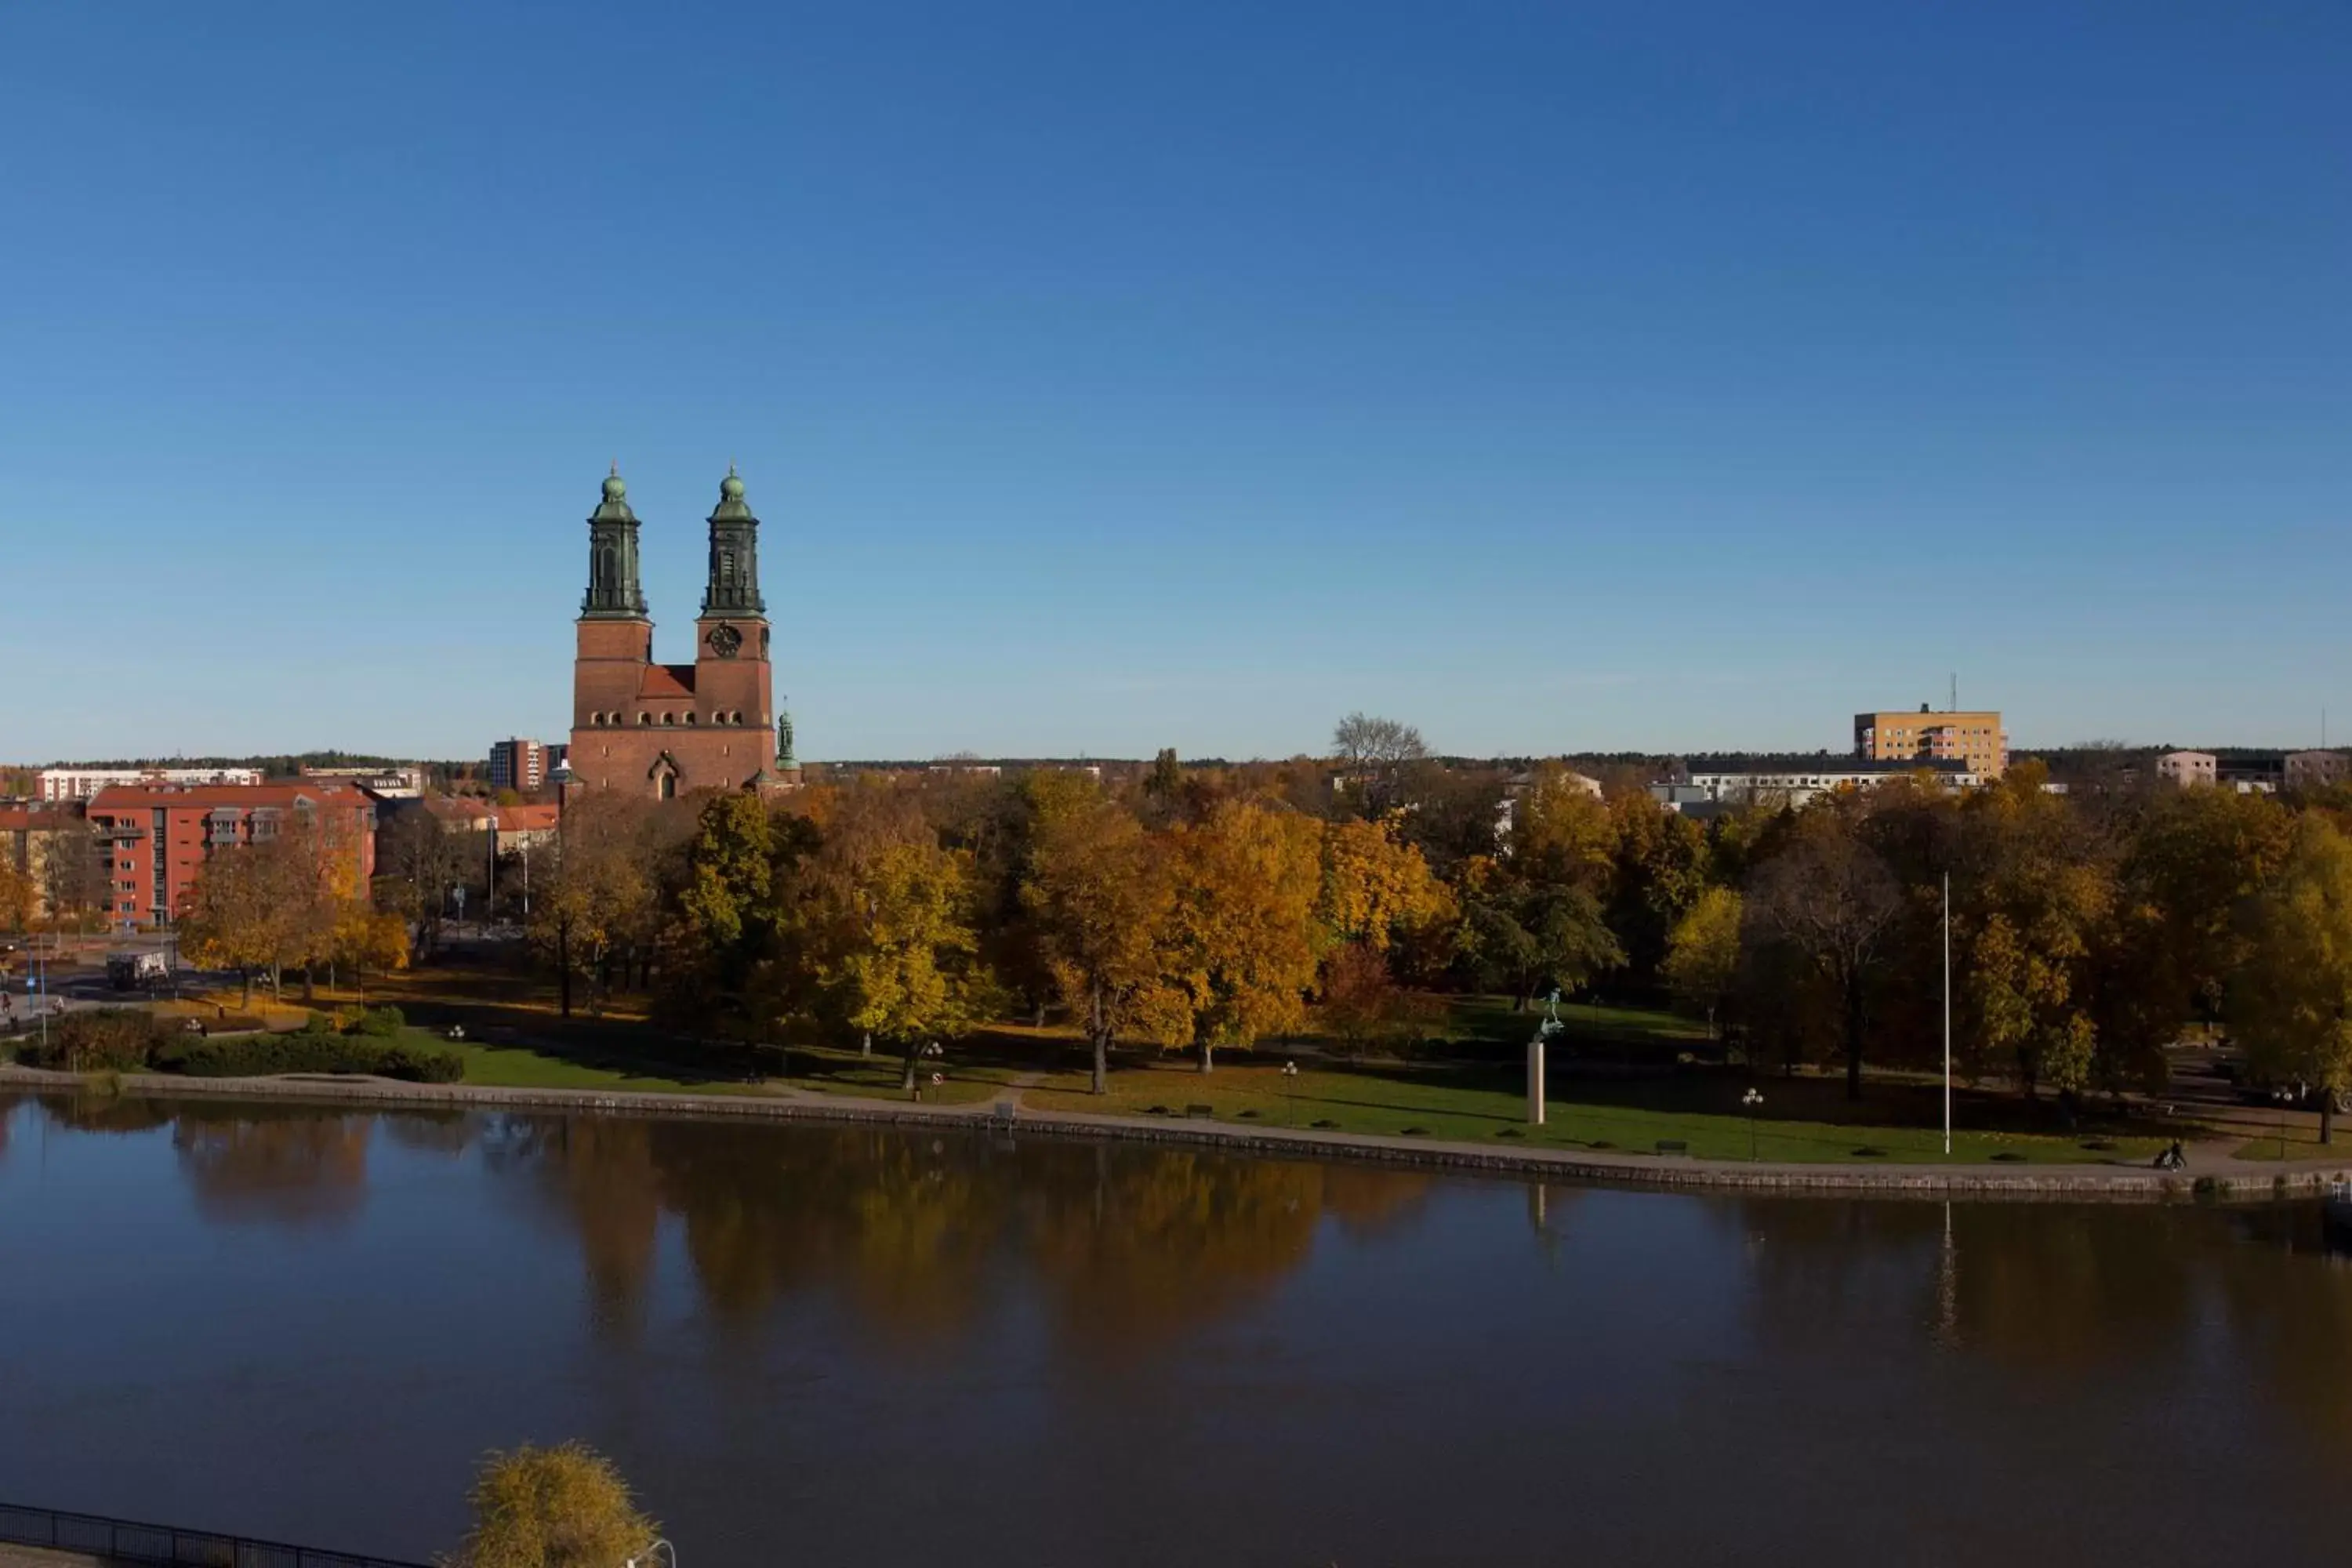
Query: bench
1673	1146
1200	1112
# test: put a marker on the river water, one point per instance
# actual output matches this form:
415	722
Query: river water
830	1346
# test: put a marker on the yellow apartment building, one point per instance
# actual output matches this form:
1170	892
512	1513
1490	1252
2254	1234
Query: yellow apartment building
1934	735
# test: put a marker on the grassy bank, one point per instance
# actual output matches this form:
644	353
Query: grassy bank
1467	1106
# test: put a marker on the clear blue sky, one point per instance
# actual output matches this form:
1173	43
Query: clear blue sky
1555	377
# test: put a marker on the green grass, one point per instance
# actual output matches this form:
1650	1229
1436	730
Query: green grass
828	1070
1389	1103
2300	1144
1493	1019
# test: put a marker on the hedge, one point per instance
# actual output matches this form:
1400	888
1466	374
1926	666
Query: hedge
122	1039
259	1055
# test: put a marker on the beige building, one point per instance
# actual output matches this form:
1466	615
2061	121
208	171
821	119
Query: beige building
2316	769
1930	735
2187	768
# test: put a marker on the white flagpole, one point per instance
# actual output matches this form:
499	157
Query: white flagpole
1947	1012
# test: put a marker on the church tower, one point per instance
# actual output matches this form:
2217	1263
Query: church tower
668	730
616	639
731	637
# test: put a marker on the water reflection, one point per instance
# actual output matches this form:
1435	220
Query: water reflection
283	1165
1012	1343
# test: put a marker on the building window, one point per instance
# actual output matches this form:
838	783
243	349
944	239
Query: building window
670	718
645	717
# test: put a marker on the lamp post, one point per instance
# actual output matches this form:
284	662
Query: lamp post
1290	1094
1753	1099
647	1559
2283	1098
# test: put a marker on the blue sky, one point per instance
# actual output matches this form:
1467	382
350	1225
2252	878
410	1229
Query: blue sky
1555	377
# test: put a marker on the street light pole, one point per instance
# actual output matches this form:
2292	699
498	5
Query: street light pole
1754	1100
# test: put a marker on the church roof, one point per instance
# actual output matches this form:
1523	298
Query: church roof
667	680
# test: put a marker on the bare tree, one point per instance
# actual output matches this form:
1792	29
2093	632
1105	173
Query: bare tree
1830	899
1360	741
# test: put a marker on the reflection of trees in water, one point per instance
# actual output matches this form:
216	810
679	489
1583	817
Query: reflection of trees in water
432	1131
1135	1244
902	1227
2290	1303
283	1165
2058	1292
110	1113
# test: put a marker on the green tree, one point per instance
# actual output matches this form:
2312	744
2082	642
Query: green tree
565	1507
2293	1002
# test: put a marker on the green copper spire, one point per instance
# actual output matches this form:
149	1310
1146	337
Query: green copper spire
734	586
612	590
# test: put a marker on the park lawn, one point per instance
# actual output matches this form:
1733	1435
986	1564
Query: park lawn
1493	1019
1396	1103
519	1067
827	1069
2300	1144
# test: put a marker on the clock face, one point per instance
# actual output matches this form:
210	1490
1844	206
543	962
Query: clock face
725	641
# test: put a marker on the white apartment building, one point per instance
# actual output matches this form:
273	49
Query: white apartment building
83	783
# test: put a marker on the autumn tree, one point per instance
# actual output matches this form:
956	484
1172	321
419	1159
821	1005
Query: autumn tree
16	894
1375	885
2037	893
1244	937
2292	1004
1829	900
1102	900
416	865
565	1507
1702	962
263	907
1360	1006
596	901
75	883
906	972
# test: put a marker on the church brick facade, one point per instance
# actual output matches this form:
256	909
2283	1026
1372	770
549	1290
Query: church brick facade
665	729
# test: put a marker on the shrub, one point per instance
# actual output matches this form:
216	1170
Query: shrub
104	1039
260	1055
382	1023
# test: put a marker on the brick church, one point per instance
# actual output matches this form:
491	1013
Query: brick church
662	730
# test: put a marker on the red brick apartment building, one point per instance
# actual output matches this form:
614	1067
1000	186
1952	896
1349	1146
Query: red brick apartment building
153	839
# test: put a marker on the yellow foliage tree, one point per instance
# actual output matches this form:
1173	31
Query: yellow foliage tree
1244	937
1100	895
2292	1003
1375	886
553	1507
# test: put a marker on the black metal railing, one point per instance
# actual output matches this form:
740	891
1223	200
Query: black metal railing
122	1540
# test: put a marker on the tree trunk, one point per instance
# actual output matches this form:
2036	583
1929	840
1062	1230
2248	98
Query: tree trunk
563	967
1854	1039
907	1078
865	1044
1208	1056
2327	1116
1100	1034
244	977
309	986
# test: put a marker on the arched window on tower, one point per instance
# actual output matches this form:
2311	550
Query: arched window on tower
606	570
